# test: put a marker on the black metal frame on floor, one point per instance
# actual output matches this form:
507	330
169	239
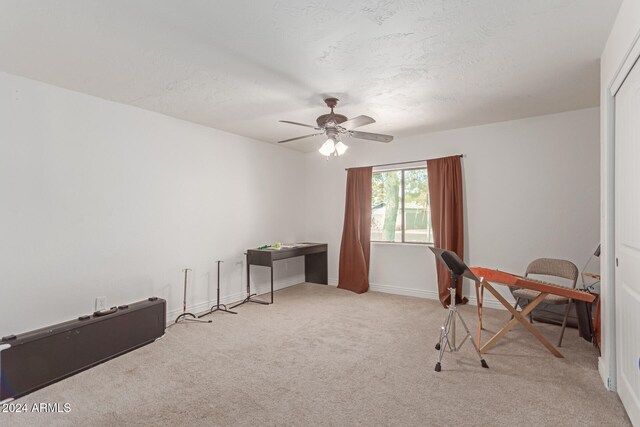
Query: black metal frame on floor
185	316
218	305
249	294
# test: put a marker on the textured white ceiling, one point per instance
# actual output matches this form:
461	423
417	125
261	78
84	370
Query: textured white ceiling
413	65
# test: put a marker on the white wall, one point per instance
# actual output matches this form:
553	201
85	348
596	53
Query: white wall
100	198
531	190
103	199
625	31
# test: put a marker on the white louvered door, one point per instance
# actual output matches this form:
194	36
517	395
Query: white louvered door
627	247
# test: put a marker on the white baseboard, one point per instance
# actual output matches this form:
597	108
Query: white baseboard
398	290
261	289
603	370
489	302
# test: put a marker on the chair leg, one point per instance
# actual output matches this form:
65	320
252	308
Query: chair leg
564	322
516	306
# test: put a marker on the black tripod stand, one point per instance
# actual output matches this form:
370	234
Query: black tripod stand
218	305
189	317
249	294
457	268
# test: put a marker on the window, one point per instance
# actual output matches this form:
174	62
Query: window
400	206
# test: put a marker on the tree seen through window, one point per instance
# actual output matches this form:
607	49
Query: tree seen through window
400	206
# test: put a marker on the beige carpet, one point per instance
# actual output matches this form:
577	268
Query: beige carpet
323	356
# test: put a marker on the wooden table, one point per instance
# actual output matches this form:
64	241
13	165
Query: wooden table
487	275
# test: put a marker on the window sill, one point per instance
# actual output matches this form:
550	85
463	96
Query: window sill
377	242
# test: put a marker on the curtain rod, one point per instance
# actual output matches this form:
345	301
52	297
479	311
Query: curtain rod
393	164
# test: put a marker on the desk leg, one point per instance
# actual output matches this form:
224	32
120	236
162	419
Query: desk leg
316	268
249	294
248	279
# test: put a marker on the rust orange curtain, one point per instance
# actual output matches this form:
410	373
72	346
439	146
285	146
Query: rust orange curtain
353	271
445	197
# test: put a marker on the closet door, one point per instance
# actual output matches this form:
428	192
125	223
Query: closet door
627	246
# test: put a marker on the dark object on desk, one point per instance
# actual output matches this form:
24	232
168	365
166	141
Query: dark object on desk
38	358
457	269
218	305
315	264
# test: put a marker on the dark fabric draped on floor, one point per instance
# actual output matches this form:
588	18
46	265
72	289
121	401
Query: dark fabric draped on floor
353	272
445	197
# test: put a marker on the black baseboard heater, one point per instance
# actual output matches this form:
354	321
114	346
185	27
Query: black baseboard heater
38	358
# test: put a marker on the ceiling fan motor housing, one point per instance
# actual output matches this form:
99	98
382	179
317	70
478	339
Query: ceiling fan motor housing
332	119
325	120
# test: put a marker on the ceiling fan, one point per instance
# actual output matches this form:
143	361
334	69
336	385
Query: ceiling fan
334	126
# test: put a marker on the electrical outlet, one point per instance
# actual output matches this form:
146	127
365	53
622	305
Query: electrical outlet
101	303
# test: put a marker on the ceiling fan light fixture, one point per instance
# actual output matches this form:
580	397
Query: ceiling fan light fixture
341	147
327	148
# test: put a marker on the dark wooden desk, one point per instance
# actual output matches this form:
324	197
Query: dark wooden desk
315	261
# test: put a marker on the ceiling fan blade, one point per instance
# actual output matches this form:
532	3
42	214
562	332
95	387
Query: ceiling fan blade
371	136
299	137
299	124
356	122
